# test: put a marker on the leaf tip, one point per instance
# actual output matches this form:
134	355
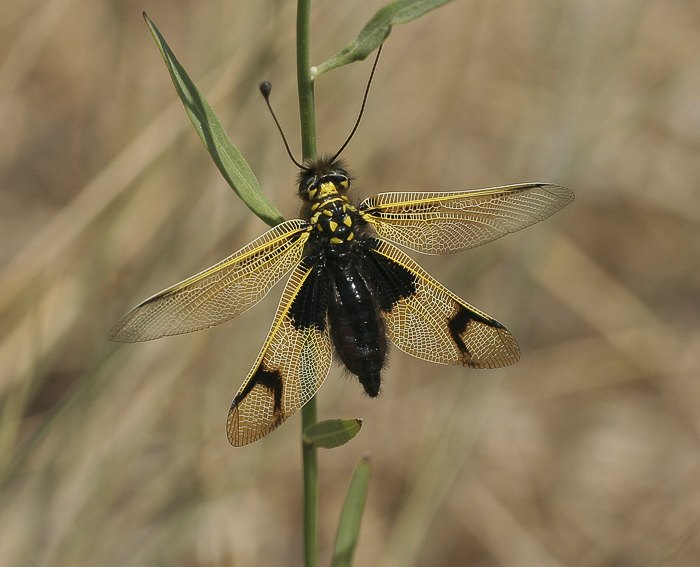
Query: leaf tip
332	433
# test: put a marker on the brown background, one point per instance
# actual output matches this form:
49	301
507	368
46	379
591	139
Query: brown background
585	453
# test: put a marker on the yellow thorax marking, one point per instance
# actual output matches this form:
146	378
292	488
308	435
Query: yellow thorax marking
338	198
333	225
325	190
347	221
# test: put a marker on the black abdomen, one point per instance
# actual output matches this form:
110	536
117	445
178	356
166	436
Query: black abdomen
356	324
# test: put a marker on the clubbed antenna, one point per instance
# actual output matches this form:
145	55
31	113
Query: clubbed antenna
266	89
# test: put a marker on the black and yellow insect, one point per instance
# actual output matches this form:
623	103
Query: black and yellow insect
350	288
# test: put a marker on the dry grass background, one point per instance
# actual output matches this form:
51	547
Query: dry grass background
586	453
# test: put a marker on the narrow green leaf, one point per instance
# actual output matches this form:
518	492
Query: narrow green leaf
226	156
377	30
332	432
351	516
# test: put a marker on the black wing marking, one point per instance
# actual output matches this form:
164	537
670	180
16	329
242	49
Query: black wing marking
426	320
293	362
442	223
220	292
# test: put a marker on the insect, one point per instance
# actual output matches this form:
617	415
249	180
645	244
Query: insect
351	289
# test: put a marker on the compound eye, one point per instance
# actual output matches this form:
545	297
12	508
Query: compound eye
343	183
341	179
306	185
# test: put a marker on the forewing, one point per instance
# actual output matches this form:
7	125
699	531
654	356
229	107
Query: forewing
426	320
292	364
220	292
441	223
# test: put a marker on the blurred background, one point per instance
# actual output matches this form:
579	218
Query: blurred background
585	453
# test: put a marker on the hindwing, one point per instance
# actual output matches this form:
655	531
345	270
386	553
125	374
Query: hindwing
442	223
293	362
220	292
426	320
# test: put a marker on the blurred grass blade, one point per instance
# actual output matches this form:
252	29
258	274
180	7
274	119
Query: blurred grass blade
226	156
377	30
351	516
332	432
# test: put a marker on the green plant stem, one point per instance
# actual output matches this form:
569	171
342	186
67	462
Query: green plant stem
309	457
304	81
308	413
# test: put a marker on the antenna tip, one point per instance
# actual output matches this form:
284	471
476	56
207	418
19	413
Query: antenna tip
266	88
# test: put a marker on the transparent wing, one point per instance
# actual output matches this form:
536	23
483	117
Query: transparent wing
426	320
220	292
293	362
441	223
